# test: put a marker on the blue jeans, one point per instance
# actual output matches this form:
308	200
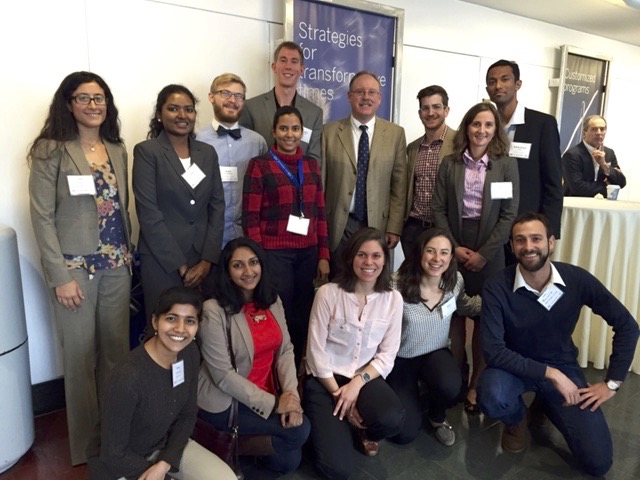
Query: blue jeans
287	442
586	432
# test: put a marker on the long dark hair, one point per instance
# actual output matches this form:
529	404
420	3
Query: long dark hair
410	272
347	278
155	125
228	294
498	146
61	125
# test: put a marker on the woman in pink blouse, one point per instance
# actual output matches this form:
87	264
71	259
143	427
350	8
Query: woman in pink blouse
354	335
264	381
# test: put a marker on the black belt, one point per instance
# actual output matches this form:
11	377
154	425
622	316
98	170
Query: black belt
424	223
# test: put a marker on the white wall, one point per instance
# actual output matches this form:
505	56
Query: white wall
139	46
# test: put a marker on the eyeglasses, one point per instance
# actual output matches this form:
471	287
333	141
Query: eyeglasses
362	93
227	94
85	99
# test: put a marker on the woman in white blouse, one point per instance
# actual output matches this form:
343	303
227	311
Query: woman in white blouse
432	290
354	335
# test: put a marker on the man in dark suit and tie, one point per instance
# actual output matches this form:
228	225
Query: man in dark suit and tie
534	141
363	169
258	112
590	166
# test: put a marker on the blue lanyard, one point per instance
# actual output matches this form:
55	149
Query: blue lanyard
297	182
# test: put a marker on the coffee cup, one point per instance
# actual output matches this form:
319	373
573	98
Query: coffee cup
612	192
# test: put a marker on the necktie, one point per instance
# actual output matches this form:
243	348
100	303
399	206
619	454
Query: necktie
233	132
360	210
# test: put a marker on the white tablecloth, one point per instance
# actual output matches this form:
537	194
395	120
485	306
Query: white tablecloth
602	236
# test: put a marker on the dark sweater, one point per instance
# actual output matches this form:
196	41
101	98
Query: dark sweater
521	336
142	412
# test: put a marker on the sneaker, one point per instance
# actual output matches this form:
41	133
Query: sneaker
444	433
515	437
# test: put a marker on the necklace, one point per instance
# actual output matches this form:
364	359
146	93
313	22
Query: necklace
91	147
258	317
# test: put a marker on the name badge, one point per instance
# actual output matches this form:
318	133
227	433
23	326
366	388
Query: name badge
177	373
501	190
449	307
519	150
193	176
229	174
306	134
81	185
550	296
298	225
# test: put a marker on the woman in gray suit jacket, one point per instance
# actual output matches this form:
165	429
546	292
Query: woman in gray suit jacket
476	198
179	199
79	210
264	382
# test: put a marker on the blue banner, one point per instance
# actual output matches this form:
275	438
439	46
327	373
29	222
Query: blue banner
583	95
338	42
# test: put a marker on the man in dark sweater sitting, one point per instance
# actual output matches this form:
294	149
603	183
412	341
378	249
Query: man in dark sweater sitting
529	311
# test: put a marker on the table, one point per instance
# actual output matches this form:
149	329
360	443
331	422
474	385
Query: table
603	237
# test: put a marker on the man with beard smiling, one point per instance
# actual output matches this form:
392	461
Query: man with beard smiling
529	311
234	144
424	156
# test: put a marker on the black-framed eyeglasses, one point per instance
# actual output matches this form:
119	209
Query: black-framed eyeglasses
227	94
85	99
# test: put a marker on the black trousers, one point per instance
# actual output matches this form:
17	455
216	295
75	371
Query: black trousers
332	438
442	379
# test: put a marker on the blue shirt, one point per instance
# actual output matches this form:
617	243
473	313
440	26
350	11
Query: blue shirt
233	153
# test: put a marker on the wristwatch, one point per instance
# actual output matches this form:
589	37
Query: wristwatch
613	385
365	377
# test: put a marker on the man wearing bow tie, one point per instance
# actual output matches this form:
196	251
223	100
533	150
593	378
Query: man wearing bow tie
234	144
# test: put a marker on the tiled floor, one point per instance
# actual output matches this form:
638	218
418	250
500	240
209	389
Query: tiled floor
476	454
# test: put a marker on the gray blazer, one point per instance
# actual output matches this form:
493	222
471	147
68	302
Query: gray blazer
173	216
218	382
496	216
258	113
65	223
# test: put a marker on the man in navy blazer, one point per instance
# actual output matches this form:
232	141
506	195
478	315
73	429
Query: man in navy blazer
534	141
590	166
258	112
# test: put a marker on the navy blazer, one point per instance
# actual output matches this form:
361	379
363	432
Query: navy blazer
541	173
579	173
173	216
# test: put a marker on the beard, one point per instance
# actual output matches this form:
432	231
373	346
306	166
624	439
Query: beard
533	265
223	117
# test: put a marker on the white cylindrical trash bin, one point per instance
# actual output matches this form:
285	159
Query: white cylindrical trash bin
16	411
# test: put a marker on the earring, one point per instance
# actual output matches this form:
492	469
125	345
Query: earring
193	339
155	332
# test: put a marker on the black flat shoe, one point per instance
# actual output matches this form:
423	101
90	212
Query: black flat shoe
471	408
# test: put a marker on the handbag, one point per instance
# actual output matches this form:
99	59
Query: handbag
223	444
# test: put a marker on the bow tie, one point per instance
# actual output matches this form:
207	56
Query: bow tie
234	132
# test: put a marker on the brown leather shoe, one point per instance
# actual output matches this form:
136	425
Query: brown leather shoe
365	446
515	438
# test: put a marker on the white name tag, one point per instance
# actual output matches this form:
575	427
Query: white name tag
501	190
519	150
177	373
229	174
193	175
449	307
81	185
298	225
550	296
306	134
